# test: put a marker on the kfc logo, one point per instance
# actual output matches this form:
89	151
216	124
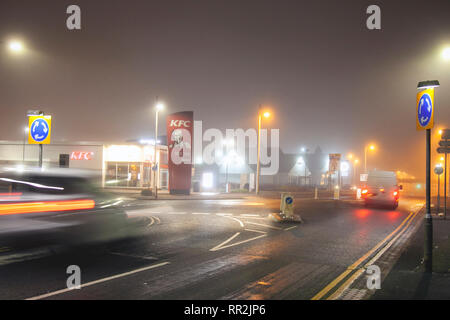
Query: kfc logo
179	123
81	155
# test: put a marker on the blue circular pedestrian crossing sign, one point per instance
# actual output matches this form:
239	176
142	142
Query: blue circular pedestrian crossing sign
39	130
289	200
425	110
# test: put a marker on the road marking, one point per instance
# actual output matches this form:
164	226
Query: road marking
259	231
290	228
240	222
352	267
237	243
158	220
224	214
180	212
250	215
43	296
205	213
225	242
151	223
254	218
356	275
265	225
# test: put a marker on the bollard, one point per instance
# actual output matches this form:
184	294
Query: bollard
316	194
286	210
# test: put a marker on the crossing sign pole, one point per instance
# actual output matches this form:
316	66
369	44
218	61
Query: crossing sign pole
425	121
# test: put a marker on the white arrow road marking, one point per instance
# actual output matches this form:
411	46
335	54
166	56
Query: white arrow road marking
100	281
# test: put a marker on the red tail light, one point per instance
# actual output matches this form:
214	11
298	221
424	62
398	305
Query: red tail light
45	206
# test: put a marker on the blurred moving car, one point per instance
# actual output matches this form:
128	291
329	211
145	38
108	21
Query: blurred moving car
381	189
59	206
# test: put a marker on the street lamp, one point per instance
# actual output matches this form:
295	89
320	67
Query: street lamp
159	107
371	148
446	54
266	115
355	163
16	46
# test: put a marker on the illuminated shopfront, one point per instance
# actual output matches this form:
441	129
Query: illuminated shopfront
119	165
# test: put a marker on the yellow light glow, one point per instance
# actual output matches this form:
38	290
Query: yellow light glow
440	131
442	159
356	161
16	46
350	156
266	114
446	54
372	147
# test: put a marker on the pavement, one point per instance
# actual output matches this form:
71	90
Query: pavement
215	249
407	279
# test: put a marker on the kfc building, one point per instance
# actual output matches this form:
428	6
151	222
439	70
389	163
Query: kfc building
123	165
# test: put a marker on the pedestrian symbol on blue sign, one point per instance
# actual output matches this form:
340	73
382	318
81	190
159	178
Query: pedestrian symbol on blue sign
425	110
288	200
39	130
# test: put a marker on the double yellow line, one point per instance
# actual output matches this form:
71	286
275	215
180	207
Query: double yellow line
333	284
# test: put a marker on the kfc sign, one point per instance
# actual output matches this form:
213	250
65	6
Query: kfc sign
180	123
81	155
179	143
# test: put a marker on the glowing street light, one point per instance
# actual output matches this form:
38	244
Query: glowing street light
371	148
265	114
16	46
446	54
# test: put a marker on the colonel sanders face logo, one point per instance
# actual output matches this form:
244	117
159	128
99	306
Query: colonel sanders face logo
177	137
180	146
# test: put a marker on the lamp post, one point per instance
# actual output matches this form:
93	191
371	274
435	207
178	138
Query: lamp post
25	132
371	148
159	107
355	162
258	168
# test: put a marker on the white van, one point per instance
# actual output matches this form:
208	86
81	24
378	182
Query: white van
381	189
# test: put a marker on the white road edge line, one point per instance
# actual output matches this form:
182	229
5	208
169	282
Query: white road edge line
290	228
206	213
224	214
43	296
249	215
176	212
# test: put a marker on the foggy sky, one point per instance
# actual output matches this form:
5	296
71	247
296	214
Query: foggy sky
329	81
